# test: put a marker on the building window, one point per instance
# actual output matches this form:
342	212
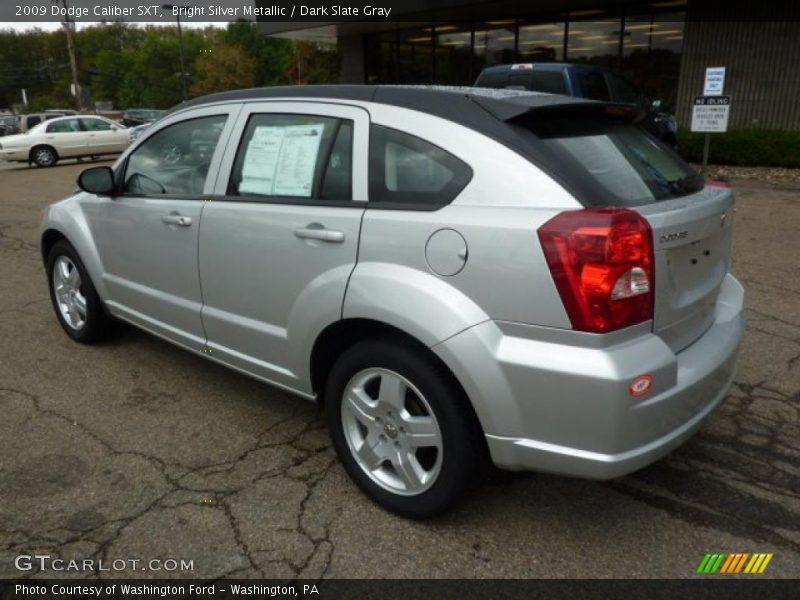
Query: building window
415	56
541	42
494	43
453	53
381	57
595	42
651	53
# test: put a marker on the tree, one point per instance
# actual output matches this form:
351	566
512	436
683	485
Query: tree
273	56
314	63
222	68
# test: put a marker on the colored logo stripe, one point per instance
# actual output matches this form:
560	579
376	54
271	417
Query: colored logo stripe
736	562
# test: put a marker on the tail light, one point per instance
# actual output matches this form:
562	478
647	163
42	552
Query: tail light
719	183
602	264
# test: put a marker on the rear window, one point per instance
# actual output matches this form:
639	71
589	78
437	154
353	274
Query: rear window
625	165
492	80
551	82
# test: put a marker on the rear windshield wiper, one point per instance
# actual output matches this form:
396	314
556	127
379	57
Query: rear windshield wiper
687	184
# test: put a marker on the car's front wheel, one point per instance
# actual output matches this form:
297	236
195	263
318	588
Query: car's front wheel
44	156
75	300
402	428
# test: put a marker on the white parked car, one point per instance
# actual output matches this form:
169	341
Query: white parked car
65	137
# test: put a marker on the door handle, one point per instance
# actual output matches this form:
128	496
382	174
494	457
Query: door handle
178	220
320	233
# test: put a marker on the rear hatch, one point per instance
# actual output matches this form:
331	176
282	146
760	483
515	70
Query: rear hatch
598	153
692	239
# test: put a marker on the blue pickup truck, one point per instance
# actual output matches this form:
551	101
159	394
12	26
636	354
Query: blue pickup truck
584	81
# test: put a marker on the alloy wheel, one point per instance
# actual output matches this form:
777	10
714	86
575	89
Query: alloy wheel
392	431
68	289
43	157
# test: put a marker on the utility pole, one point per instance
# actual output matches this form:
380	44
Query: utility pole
180	45
73	61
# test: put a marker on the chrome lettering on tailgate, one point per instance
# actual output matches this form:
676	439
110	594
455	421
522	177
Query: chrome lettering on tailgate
673	237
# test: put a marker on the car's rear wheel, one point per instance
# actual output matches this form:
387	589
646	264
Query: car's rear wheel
402	428
44	156
75	300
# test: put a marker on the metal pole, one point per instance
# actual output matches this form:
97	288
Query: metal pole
183	65
73	62
706	146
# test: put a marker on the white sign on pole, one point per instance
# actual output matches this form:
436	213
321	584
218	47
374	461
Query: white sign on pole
710	114
715	81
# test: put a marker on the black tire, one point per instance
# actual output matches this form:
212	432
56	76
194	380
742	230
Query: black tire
44	156
97	325
461	437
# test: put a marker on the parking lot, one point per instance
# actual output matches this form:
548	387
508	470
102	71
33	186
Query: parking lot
136	450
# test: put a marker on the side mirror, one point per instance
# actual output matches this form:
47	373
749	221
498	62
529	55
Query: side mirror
97	180
114	128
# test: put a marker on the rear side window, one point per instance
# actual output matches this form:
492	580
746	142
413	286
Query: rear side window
65	126
407	172
624	91
625	165
96	125
33	121
551	82
594	86
294	156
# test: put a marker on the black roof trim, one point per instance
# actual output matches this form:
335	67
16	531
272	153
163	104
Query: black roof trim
438	100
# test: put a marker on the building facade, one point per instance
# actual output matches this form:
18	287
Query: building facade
663	46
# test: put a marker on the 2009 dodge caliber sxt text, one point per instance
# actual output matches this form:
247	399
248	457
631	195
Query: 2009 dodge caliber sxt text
453	272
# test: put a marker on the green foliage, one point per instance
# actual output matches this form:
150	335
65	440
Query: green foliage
272	56
314	64
224	68
139	66
744	147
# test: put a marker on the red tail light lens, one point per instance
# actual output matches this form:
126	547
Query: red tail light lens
601	260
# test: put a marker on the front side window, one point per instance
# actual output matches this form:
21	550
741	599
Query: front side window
96	125
64	126
407	170
294	157
174	160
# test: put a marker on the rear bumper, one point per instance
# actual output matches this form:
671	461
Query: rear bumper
559	401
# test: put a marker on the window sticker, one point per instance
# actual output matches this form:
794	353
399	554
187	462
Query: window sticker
281	161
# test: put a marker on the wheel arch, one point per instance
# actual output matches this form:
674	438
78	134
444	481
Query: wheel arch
341	335
62	223
42	145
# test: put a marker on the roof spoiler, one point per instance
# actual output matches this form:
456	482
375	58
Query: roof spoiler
512	108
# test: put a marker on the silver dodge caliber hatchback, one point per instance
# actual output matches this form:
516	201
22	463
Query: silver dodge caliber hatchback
454	273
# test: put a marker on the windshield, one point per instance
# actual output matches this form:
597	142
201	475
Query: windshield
630	167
